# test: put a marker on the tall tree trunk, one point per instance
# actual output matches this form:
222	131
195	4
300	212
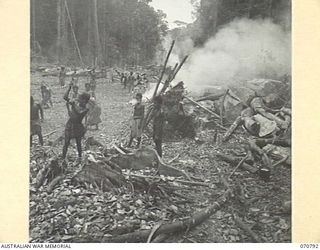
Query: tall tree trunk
250	7
33	24
215	13
97	44
64	32
59	36
270	8
104	33
90	43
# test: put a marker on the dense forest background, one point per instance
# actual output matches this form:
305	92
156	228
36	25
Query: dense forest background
131	32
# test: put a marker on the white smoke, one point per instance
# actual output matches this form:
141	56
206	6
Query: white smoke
183	46
244	49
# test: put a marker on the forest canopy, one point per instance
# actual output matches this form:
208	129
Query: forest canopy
106	32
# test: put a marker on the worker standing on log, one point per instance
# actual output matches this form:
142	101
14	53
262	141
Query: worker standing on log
35	125
74	129
137	121
62	76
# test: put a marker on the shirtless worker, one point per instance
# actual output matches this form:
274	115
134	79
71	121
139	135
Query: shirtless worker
46	94
158	118
74	129
62	76
130	82
35	122
137	121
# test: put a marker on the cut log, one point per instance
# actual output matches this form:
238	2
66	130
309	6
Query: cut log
278	142
211	97
232	128
204	108
258	107
267	126
235	160
99	175
146	157
222	109
286	111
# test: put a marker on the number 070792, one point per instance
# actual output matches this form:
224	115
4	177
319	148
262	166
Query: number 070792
309	246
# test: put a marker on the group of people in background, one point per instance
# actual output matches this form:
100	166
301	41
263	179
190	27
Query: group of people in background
134	82
85	107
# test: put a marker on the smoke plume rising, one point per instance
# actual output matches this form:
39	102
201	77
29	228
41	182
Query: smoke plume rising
242	50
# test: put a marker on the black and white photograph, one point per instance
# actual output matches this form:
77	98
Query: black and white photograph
158	121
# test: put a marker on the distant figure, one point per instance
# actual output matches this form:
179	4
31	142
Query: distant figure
139	87
125	80
158	123
111	75
75	91
87	87
145	81
35	122
137	121
122	77
130	81
74	129
46	94
62	76
93	116
93	83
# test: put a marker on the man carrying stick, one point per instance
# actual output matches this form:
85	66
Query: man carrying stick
158	118
74	129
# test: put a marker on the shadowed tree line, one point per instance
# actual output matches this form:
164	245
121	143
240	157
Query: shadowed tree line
96	32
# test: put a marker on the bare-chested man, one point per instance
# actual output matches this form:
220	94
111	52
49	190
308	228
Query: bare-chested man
35	122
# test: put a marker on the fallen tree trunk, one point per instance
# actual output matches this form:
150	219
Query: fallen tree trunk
251	125
211	97
278	142
232	128
235	160
172	228
222	108
146	157
204	108
191	183
99	175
